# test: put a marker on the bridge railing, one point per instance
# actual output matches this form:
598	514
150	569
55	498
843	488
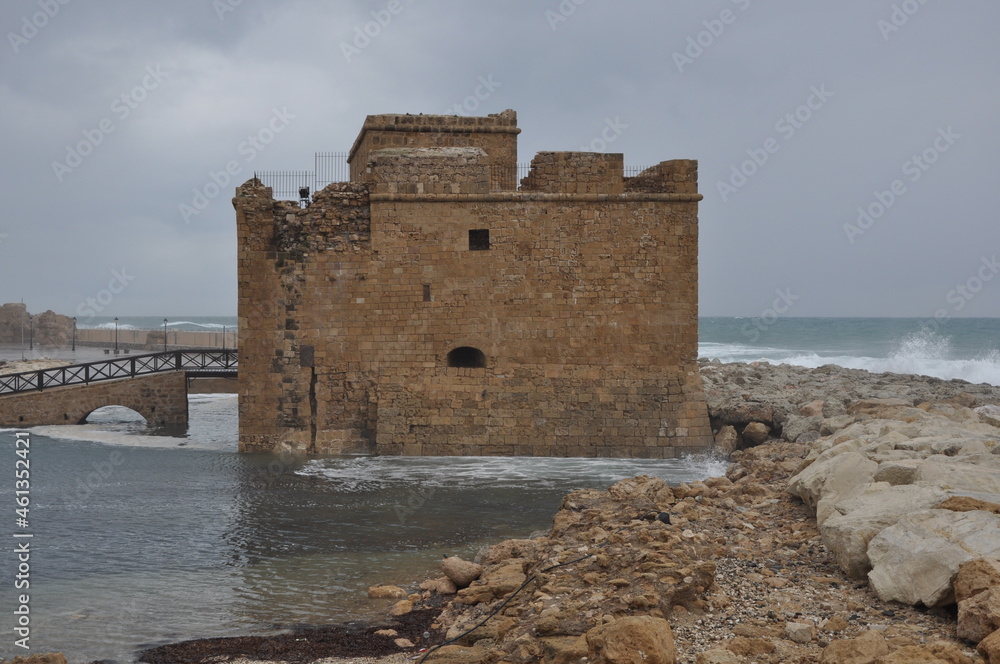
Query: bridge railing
201	361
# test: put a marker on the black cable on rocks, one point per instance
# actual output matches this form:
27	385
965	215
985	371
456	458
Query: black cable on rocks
663	517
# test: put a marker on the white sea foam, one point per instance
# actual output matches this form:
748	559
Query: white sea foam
211	326
370	474
98	433
109	326
924	353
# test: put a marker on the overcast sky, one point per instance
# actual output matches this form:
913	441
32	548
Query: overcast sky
115	113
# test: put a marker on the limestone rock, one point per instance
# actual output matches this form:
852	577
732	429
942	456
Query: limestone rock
632	640
917	559
46	658
727	440
655	490
976	576
859	519
445	586
456	655
403	643
812	409
899	472
497	582
401	608
979	616
796	426
495	628
441	585
738	412
756	432
717	656
513	548
989	414
827	481
386	592
887	409
989	648
865	649
836	624
954	475
749	646
800	632
986	502
462	572
939	652
563	649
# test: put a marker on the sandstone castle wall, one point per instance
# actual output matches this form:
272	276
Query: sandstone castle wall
429	307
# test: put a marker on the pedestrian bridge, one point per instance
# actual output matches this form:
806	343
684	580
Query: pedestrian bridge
153	384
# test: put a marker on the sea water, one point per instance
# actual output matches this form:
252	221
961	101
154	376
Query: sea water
140	538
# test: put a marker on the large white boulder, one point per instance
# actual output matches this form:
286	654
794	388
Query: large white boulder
831	479
915	561
946	472
848	532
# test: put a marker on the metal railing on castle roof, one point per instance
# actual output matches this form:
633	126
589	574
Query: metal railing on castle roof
330	167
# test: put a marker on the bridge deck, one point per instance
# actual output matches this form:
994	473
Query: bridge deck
197	363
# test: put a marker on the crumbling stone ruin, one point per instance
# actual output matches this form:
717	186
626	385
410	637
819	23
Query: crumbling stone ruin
18	326
430	306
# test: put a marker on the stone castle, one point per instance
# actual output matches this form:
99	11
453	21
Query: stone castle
430	306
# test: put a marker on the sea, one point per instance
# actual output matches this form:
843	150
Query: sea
133	537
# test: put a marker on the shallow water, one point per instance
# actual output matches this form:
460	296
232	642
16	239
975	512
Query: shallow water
142	538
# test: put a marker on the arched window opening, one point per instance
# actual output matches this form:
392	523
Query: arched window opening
467	357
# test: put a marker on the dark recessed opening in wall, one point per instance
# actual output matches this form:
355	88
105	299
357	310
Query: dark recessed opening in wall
467	357
479	239
427	292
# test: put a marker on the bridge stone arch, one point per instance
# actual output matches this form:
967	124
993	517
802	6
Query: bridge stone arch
160	398
86	417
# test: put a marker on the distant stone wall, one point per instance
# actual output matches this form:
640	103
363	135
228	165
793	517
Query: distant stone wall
152	340
45	329
160	398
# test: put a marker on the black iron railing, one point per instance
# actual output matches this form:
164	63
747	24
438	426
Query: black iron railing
195	362
332	167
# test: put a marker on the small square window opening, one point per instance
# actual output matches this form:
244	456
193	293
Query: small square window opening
479	239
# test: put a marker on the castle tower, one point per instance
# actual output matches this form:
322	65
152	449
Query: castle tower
430	307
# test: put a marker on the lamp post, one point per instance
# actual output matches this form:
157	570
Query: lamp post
31	333
116	335
74	334
164	335
223	337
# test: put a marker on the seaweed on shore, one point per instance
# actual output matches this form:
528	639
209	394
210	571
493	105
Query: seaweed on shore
303	644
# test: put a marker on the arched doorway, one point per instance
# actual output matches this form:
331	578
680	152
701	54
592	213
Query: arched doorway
467	357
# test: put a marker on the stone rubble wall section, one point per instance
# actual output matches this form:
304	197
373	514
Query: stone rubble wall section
46	329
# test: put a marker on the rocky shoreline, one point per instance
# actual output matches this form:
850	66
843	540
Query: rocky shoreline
836	473
858	509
